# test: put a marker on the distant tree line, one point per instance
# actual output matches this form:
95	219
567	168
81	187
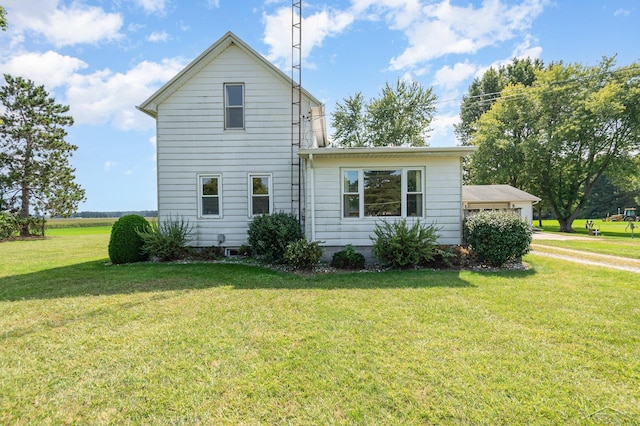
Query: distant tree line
116	214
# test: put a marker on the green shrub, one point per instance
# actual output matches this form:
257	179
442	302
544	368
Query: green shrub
444	257
244	250
269	235
125	245
399	246
303	254
347	259
166	239
497	237
9	225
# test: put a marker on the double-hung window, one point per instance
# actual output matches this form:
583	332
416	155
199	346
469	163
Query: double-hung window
382	193
414	193
260	194
234	106
350	193
209	191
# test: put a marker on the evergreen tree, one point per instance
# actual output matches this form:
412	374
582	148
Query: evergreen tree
35	175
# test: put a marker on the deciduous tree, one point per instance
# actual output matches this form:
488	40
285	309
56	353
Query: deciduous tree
401	115
35	173
485	90
3	19
349	122
571	126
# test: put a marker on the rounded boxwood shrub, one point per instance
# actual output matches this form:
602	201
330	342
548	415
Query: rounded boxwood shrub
269	235
497	237
348	259
125	245
303	254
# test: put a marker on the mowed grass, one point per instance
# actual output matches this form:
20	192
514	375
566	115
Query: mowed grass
609	229
615	238
86	342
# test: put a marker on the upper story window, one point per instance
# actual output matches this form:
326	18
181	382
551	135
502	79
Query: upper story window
234	106
382	193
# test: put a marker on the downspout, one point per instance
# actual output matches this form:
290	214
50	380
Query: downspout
312	194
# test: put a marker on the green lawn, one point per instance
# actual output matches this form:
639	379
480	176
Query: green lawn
608	229
86	342
614	240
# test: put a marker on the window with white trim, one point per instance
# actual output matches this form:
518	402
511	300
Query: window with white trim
382	193
209	194
234	106
260	194
414	193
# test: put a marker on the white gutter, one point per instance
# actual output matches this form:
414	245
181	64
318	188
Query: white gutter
313	198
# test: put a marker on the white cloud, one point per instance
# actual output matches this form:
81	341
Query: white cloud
526	50
442	130
399	13
317	27
449	77
63	25
432	29
153	6
108	165
213	3
622	12
50	68
104	96
158	36
443	29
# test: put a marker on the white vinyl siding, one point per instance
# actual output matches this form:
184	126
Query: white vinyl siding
441	195
192	141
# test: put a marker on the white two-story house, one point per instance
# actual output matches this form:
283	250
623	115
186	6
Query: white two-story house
226	152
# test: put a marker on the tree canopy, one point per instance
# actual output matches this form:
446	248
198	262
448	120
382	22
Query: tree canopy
557	137
401	115
3	19
35	174
485	90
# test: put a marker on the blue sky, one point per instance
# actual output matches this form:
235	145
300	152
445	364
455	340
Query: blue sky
105	57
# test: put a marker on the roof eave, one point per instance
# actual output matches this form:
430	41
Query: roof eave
458	151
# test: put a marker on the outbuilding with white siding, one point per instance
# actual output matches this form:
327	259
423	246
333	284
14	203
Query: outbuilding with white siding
477	198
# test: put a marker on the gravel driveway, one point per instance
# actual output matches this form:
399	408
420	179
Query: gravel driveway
578	256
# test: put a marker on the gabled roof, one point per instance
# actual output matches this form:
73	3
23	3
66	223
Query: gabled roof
150	106
495	194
